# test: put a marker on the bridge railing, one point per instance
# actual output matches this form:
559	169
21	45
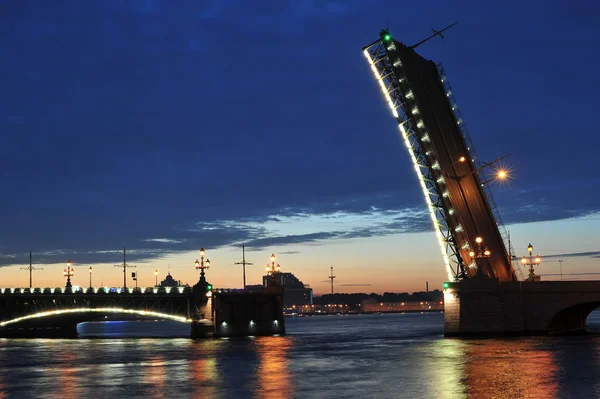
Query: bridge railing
96	290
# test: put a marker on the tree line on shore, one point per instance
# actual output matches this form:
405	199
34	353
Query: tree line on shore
354	299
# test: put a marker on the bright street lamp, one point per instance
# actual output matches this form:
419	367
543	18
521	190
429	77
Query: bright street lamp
68	273
272	269
202	265
531	262
480	252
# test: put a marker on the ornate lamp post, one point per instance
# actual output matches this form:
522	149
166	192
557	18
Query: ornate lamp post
531	262
272	270
90	277
68	273
156	277
481	252
202	265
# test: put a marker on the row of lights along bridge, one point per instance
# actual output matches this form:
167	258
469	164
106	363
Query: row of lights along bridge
201	265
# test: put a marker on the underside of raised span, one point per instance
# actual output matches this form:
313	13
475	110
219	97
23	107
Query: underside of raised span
468	227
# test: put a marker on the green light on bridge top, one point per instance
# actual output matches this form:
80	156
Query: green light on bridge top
209	287
446	285
387	37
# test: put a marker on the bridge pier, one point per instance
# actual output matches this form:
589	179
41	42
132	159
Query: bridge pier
487	307
246	313
202	329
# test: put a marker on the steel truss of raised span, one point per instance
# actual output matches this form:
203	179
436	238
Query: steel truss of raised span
449	172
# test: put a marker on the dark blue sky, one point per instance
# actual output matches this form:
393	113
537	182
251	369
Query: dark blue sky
123	122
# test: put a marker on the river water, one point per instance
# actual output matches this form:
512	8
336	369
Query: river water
358	356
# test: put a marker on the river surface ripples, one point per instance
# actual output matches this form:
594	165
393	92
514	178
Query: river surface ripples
357	356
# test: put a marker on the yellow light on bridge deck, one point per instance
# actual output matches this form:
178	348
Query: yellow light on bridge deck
471	254
502	174
487	252
538	259
523	260
462	159
478	240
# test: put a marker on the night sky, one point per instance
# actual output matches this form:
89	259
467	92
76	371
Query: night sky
170	125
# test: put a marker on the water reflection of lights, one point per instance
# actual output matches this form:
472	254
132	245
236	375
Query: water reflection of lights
444	365
202	370
3	393
274	378
490	368
67	378
156	372
518	368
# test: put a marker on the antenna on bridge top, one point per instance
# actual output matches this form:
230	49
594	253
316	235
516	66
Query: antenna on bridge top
31	269
435	33
125	266
243	262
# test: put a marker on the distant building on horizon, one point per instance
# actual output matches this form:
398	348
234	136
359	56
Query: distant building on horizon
169	281
295	292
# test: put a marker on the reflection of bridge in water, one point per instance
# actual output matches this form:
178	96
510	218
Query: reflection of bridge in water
484	294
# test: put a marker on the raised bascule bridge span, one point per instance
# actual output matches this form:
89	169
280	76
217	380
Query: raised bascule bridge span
485	293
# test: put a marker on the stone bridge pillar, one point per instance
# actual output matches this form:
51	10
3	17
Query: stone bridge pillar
482	306
201	310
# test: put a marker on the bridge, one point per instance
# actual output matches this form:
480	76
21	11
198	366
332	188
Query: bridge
56	312
483	294
46	312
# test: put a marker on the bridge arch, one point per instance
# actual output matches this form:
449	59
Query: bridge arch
572	318
84	311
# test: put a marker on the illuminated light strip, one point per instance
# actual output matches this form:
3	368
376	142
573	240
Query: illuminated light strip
430	205
84	290
97	310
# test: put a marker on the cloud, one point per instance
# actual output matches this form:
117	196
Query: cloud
237	124
593	254
355	285
255	232
163	240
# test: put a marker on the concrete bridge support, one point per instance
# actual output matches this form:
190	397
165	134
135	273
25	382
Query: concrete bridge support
249	313
482	306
